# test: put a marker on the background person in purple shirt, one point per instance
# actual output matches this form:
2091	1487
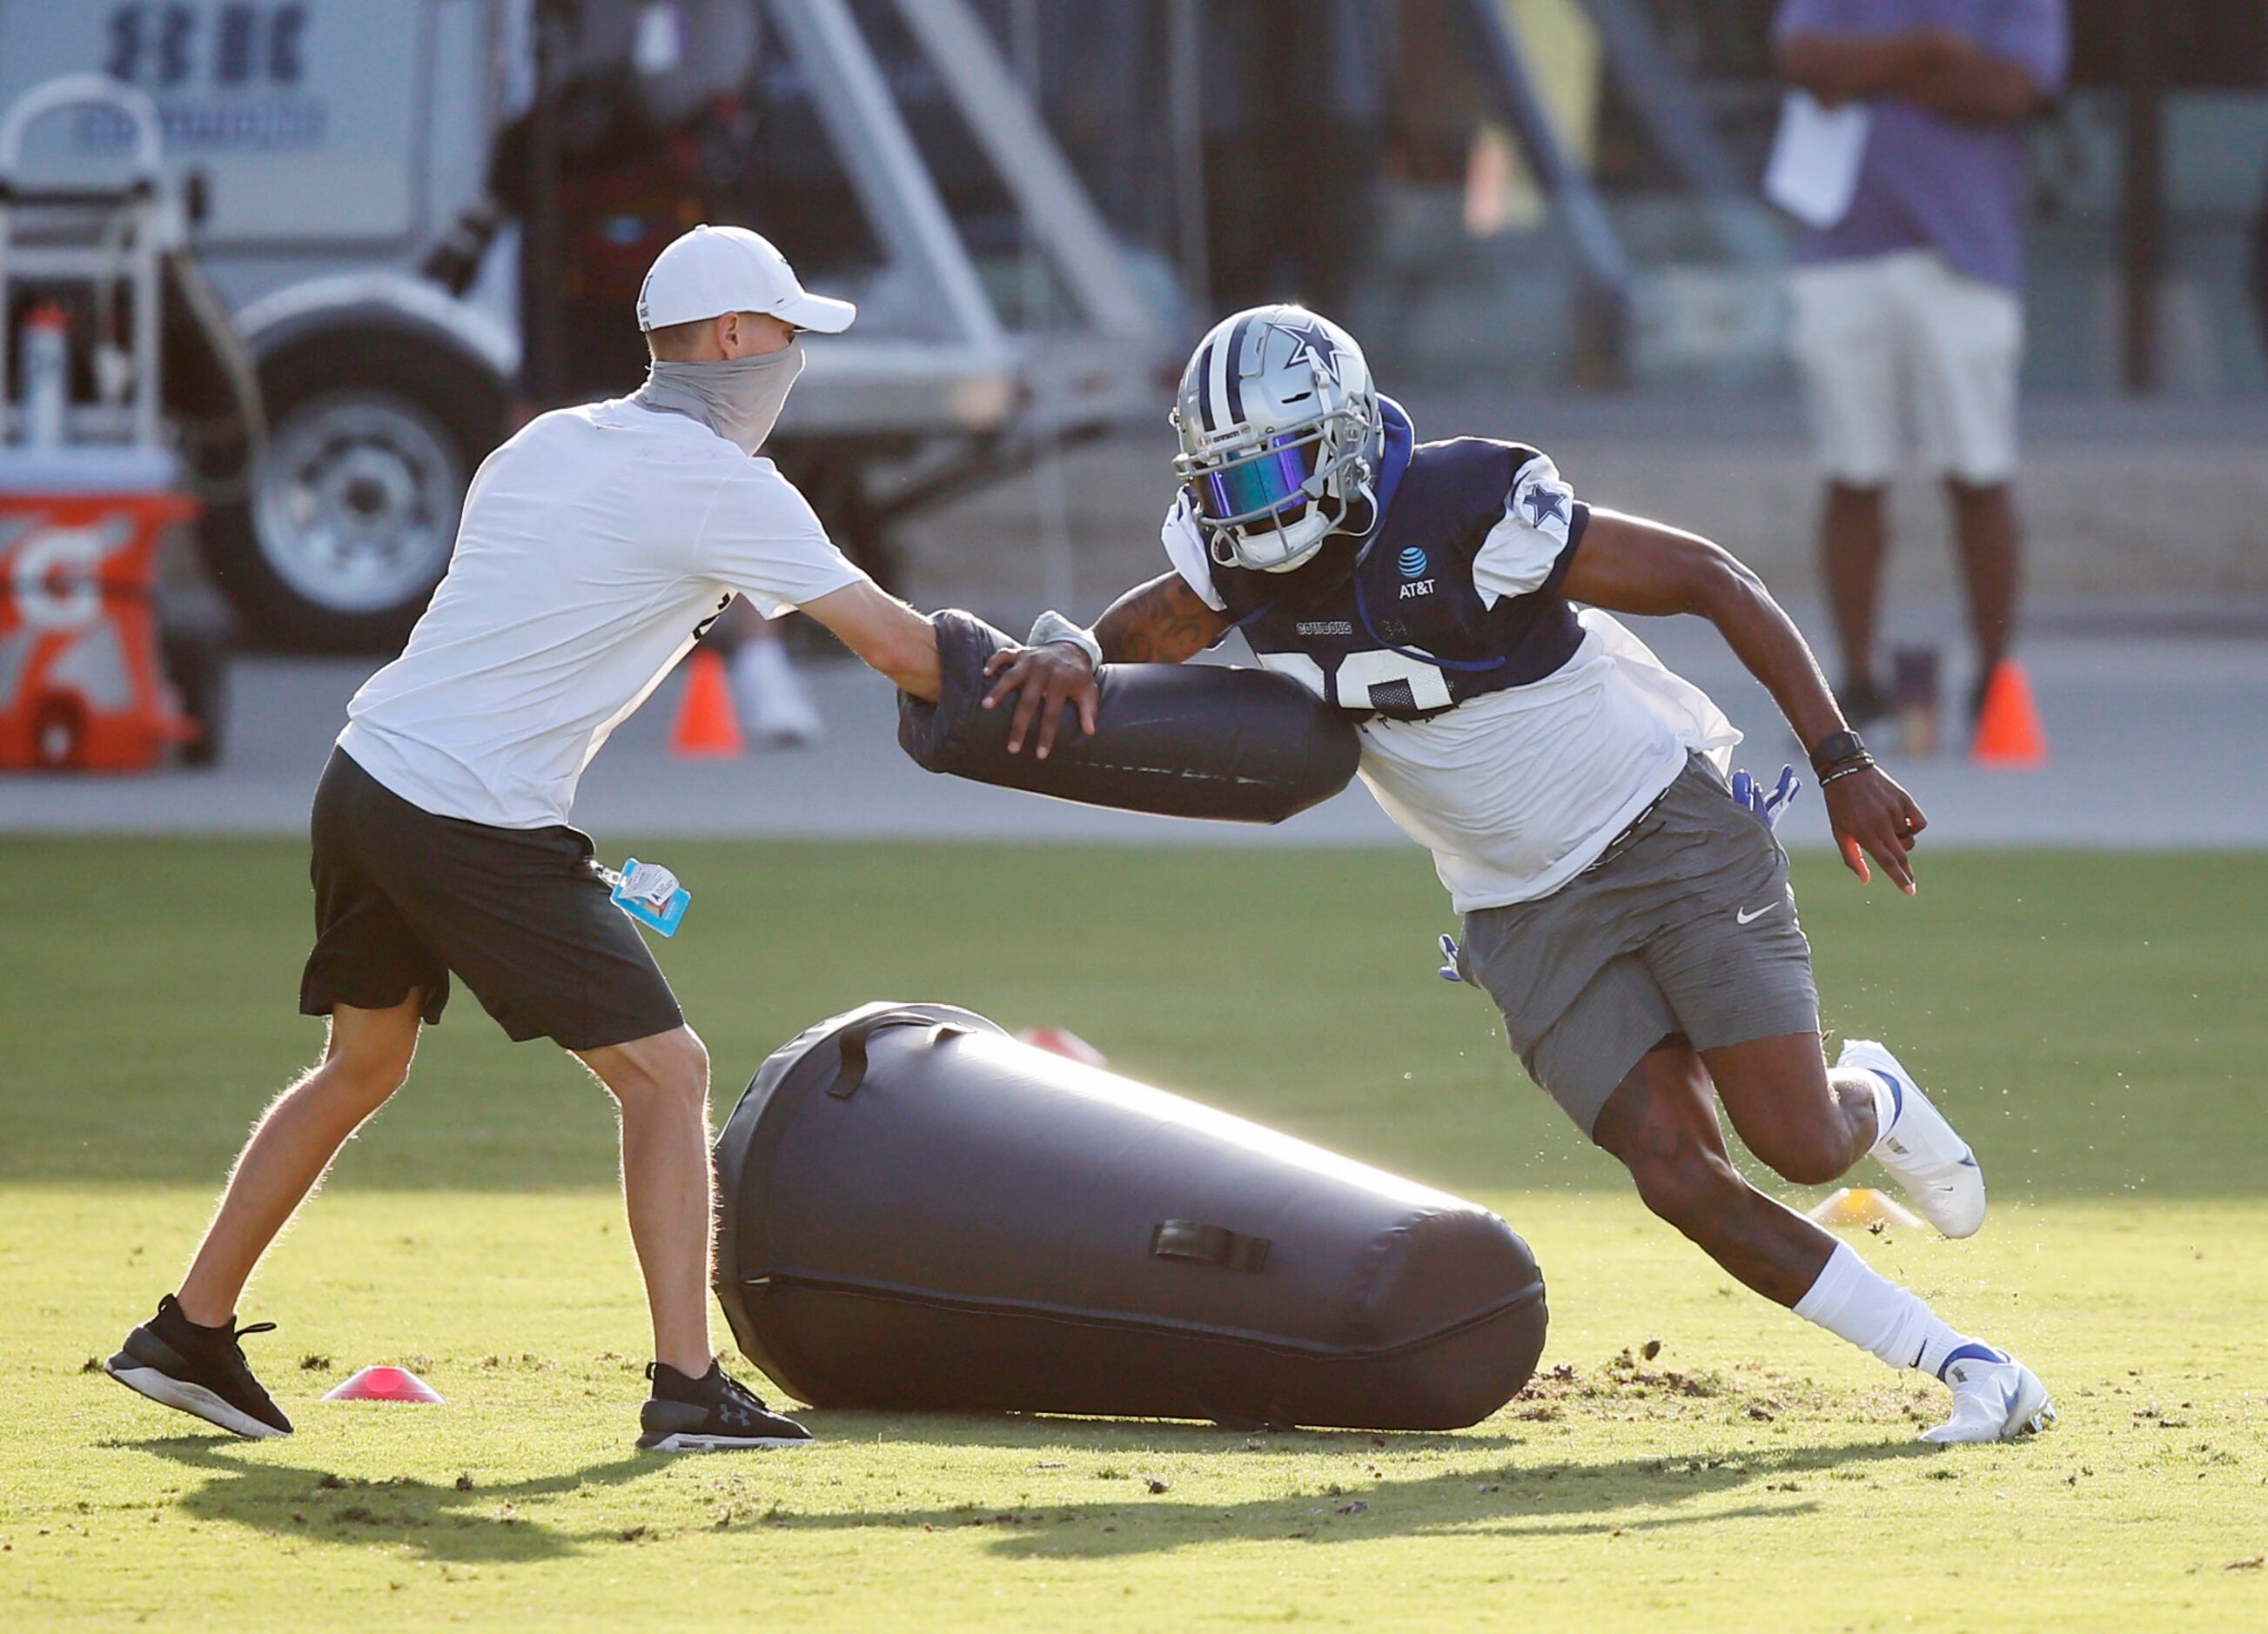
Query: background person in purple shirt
1908	322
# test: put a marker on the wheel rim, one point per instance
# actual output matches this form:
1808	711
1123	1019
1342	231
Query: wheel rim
357	501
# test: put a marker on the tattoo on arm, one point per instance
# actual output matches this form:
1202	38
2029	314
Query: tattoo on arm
1160	623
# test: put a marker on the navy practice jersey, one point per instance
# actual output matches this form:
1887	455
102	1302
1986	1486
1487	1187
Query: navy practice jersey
1509	734
1455	595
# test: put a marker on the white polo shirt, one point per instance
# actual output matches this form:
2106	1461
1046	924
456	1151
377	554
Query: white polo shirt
595	546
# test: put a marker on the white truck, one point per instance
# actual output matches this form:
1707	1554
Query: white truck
332	145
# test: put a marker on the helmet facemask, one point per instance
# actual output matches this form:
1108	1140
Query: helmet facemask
1296	444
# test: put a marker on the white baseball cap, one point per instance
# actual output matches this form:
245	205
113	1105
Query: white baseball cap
710	271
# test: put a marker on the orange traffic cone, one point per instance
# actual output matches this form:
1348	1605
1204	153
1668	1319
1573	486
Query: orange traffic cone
2008	731
1861	1205
706	728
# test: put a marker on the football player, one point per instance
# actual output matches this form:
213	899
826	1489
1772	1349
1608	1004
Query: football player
1631	917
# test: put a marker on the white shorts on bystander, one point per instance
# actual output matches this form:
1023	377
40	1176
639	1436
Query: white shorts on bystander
1908	365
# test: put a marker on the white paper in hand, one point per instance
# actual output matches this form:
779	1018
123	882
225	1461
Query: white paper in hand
1817	153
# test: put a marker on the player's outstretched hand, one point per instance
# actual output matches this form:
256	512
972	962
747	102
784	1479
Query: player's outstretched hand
1043	680
1872	817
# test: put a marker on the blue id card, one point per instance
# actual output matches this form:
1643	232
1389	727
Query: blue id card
648	893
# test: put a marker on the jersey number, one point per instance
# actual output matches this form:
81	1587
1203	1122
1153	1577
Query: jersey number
1359	672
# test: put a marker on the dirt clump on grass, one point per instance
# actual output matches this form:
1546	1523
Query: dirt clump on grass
1624	1377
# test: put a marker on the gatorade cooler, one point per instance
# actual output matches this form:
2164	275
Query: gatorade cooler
82	684
87	486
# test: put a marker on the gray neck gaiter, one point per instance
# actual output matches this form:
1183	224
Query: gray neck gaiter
739	399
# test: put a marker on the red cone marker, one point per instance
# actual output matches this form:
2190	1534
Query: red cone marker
383	1384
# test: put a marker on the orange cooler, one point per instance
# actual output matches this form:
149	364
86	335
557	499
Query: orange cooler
82	685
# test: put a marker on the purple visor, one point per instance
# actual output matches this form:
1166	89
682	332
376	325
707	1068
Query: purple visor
1269	483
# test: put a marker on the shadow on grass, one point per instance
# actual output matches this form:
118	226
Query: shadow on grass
1129	1437
1559	1498
456	1522
471	1524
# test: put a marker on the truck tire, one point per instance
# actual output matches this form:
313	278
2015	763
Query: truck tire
373	436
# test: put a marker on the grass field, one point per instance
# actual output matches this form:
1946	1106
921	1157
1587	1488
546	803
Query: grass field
2092	1023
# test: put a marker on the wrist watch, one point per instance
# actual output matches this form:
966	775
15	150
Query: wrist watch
1835	749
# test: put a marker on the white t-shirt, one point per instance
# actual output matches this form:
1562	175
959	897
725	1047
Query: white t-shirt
595	546
1518	791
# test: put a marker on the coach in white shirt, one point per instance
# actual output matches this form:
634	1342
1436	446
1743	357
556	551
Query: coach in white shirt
595	547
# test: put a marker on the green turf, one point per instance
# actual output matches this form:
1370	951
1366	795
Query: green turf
2088	1019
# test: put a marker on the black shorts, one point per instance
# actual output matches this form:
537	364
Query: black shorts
403	898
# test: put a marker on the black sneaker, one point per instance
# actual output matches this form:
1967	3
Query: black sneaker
1978	691
171	1359
711	1414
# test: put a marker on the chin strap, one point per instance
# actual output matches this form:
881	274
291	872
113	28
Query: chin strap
1367	496
1217	542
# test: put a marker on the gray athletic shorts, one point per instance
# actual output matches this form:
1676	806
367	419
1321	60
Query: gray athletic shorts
1683	932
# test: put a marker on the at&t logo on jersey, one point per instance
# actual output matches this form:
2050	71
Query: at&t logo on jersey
1412	564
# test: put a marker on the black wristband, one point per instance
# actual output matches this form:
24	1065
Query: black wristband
1833	750
1847	769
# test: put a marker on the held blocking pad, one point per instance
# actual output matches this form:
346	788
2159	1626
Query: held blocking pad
1172	739
916	1212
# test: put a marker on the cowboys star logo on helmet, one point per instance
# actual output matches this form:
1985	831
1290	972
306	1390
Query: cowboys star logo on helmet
1281	437
1314	343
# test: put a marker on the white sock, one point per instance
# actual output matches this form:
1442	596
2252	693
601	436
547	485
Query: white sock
761	661
1856	1303
770	696
1886	1104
